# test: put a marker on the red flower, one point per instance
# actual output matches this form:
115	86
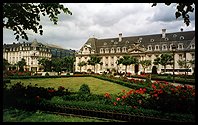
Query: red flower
118	99
155	95
144	89
115	103
124	97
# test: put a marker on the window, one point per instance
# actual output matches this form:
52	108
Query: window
115	42
105	43
166	39
118	49
149	47
106	58
106	64
193	56
124	49
107	50
180	46
181	37
101	50
127	42
112	50
112	64
164	47
174	35
180	56
151	40
156	47
192	46
156	56
112	40
171	46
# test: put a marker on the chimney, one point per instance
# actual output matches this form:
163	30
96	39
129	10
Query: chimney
163	33
181	29
120	37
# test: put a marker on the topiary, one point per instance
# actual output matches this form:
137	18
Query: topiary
84	89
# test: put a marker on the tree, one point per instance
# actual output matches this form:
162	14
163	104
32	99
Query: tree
145	64
5	64
68	63
20	17
127	60
94	60
164	60
81	64
56	64
21	64
185	64
182	10
46	63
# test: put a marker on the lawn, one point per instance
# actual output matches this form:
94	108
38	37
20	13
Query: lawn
73	84
16	115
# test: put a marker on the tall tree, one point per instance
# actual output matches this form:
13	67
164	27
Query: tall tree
56	64
94	60
46	63
145	64
127	60
68	63
5	64
81	64
20	17
182	10
21	64
164	60
185	64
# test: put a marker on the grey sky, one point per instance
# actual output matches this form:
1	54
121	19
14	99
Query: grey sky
105	20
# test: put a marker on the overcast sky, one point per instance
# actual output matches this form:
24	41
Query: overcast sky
105	20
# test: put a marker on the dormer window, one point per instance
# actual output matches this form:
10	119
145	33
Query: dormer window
115	42
180	46
112	50
101	50
124	49
107	50
166	39
152	40
118	50
112	40
105	43
127	41
164	47
174	35
149	48
156	47
181	37
192	46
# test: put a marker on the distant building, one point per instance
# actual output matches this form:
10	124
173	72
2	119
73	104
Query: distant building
144	47
31	52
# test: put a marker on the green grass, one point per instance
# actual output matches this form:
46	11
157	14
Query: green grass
96	86
16	115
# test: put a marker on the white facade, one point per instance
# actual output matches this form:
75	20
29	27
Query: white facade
142	47
31	52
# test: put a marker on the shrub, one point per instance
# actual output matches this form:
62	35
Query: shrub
84	89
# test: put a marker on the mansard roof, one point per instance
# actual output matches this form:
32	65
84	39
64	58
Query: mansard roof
184	38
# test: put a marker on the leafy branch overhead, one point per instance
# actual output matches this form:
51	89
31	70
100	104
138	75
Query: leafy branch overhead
20	17
182	11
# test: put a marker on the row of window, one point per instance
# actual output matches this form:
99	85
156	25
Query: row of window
165	47
26	48
112	50
151	40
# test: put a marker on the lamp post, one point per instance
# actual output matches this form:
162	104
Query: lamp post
173	49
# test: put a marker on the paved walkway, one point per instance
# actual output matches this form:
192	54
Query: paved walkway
176	84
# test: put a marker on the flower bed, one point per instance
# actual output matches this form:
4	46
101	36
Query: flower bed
162	96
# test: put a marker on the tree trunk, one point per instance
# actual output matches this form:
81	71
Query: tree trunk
165	69
125	69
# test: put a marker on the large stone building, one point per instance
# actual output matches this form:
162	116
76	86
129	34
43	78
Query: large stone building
144	47
31	52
